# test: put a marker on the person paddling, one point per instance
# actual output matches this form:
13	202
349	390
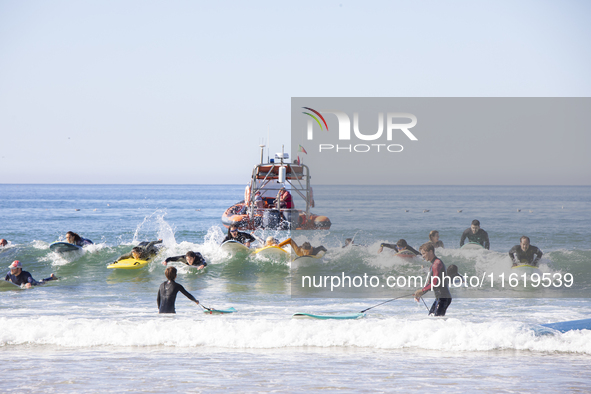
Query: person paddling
20	277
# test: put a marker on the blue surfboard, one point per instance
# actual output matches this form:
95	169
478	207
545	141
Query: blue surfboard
213	311
61	247
584	324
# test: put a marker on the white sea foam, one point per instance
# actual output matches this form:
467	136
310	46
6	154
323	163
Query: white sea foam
243	333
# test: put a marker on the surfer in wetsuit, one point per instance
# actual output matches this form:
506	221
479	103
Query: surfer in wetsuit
399	247
439	286
475	234
434	238
306	249
235	235
190	258
144	251
77	240
524	253
20	277
168	291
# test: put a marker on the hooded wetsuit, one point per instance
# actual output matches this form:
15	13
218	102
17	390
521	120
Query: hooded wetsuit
167	296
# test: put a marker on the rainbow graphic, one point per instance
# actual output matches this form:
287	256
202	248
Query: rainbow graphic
315	118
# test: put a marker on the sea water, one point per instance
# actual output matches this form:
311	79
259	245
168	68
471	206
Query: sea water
98	329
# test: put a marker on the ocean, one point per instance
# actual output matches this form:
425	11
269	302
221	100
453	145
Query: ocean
97	329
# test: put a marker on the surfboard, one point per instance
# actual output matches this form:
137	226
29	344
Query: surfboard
128	264
234	247
214	311
61	247
309	258
272	252
526	268
6	285
472	245
346	316
584	324
407	254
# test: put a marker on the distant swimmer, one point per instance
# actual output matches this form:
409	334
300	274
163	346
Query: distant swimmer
77	240
434	238
306	249
235	235
400	246
524	253
144	251
349	242
284	199
3	242
194	259
168	291
440	287
475	234
20	277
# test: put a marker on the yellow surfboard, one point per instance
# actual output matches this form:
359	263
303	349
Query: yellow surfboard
128	264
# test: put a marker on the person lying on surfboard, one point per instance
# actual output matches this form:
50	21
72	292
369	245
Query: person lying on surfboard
168	291
144	251
524	253
400	246
306	249
20	277
3	242
190	258
77	240
235	235
270	241
475	234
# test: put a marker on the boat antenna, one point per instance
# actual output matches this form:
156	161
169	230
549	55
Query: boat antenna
262	146
268	142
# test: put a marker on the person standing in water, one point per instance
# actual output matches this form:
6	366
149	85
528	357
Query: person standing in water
168	291
435	282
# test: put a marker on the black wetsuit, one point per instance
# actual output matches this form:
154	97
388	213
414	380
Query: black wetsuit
442	294
83	242
395	247
317	250
240	237
199	260
148	251
438	244
481	237
531	256
25	277
167	296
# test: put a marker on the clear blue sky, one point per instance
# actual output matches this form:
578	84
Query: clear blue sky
183	91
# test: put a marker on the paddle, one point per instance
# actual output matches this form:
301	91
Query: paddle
382	303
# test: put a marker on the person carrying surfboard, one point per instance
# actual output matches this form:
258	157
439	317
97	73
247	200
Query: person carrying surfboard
20	277
306	249
168	291
525	253
400	246
77	240
235	235
439	287
190	258
475	234
144	251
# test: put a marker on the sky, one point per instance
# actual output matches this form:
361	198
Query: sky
183	92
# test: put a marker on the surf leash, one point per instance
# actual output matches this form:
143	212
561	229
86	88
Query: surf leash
424	303
382	303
